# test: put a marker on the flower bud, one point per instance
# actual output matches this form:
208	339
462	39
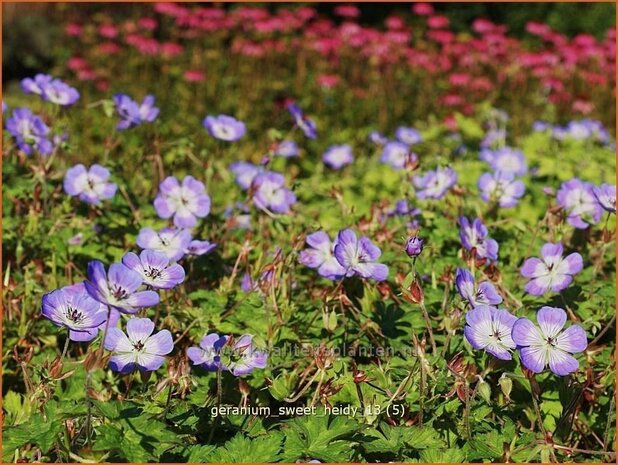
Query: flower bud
414	246
506	384
244	387
414	294
359	376
484	390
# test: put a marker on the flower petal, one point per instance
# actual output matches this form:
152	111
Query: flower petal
572	340
562	363
117	341
525	333
123	363
572	264
139	329
143	299
160	343
533	358
551	320
123	277
478	329
533	268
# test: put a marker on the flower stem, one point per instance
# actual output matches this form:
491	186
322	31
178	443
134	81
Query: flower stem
432	341
102	345
66	347
540	420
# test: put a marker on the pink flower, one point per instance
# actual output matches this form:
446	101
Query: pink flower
438	22
102	85
108	48
171	9
73	29
347	11
328	80
451	100
483	26
441	36
86	75
584	40
422	9
538	29
394	22
109	31
481	84
583	107
150	24
77	63
171	49
459	79
194	75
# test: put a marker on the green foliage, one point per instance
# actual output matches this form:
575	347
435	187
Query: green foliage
353	343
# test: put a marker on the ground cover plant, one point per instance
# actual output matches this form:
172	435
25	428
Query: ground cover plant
266	234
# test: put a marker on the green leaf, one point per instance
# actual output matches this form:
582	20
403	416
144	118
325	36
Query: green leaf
241	449
451	455
319	437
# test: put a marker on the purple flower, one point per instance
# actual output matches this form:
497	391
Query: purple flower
475	236
89	334
578	200
408	136
506	160
358	257
198	248
485	294
338	156
139	348
547	343
207	355
171	242
397	154
4	107
244	357
402	208
60	93
238	216
185	202
501	187
224	127
551	271
489	329
155	269
414	246
89	184
118	287
37	84
133	114
245	173
29	131
434	184
320	255
492	136
247	284
541	126
271	194
377	138
286	149
582	130
77	239
606	196
305	124
78	312
147	111
128	110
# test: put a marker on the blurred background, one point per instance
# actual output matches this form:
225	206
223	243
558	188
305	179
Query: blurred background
29	29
